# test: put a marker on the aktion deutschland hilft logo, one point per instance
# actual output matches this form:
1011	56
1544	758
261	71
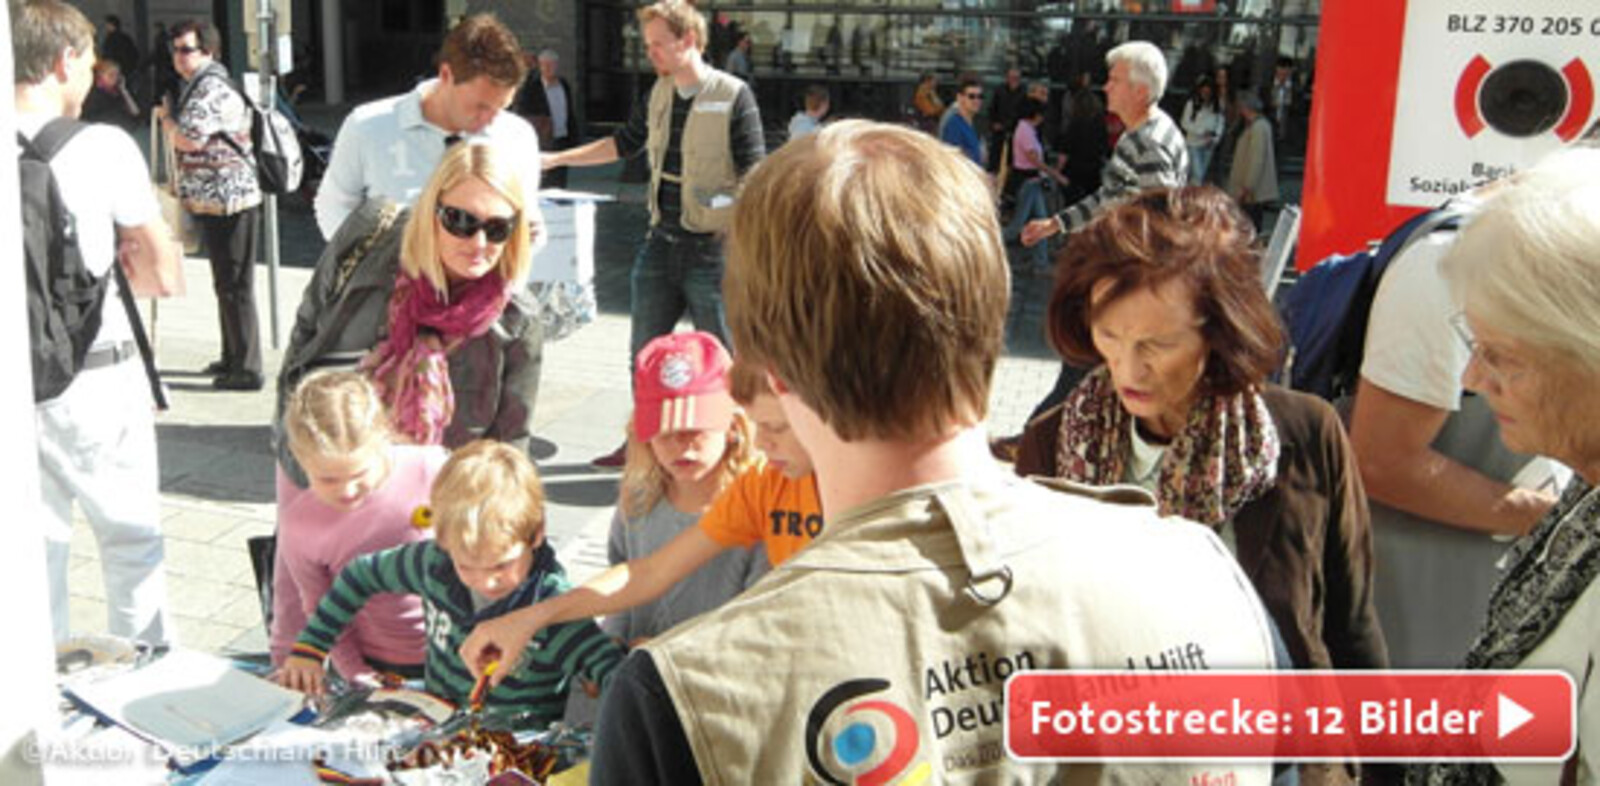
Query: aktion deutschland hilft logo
870	742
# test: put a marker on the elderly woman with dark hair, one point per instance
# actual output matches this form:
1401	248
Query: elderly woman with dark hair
1526	271
1163	293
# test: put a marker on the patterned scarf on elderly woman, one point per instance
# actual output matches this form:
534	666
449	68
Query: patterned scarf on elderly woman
1225	456
1550	570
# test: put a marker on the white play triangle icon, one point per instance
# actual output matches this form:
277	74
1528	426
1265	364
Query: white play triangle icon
1512	716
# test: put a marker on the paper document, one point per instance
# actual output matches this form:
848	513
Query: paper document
190	703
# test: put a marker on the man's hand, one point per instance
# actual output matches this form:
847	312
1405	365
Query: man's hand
551	161
301	674
492	639
1528	506
1039	229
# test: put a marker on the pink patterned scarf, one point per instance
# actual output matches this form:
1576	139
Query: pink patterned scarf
410	368
1225	456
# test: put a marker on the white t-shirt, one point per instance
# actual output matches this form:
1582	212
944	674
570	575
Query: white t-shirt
1144	459
103	182
1412	350
387	148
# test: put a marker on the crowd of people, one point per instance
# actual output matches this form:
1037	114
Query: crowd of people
809	511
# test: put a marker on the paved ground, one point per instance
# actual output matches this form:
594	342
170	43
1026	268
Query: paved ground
217	469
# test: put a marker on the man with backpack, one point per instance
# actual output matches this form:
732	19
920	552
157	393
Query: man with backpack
96	437
1435	470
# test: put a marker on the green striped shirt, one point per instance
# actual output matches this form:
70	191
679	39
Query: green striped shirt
554	656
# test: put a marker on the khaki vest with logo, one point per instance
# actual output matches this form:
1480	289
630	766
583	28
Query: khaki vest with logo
885	644
709	176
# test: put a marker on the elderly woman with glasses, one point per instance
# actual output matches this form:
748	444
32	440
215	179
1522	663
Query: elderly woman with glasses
1526	272
1163	295
209	128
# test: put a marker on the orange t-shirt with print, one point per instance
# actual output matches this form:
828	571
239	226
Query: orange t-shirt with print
764	506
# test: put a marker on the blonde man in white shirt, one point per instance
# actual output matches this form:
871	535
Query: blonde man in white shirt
97	440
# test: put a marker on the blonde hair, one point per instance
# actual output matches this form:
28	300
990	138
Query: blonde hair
1528	262
487	497
681	17
335	413
419	250
644	482
865	269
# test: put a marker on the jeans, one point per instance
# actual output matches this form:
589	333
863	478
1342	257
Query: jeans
675	272
1199	162
1030	205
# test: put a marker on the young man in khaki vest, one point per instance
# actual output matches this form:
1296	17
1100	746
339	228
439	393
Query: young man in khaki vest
879	328
702	131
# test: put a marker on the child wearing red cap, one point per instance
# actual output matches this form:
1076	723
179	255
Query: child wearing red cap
773	506
687	441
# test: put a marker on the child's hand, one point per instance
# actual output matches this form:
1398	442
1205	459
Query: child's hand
590	688
301	674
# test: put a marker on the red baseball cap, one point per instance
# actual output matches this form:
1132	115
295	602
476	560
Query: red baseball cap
680	383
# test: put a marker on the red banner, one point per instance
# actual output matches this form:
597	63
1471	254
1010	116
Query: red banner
1352	123
1298	716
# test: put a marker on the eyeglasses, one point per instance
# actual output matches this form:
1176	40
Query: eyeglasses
465	225
973	96
185	50
1499	368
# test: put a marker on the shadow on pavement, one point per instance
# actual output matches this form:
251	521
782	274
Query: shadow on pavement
541	449
579	485
221	463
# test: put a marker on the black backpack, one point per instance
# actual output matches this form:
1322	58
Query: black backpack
64	298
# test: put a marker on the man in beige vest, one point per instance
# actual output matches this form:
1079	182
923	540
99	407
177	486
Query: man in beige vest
702	131
938	576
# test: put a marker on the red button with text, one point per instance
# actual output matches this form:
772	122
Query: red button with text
1303	716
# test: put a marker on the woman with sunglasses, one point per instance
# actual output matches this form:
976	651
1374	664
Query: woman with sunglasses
432	312
209	128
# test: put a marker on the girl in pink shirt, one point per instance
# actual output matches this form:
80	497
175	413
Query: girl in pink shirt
363	496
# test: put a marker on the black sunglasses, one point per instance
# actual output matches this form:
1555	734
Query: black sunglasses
185	50
973	95
465	225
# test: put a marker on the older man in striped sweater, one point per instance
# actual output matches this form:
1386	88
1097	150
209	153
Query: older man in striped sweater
1151	153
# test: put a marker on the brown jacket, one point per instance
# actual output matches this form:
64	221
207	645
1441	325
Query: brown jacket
1306	544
